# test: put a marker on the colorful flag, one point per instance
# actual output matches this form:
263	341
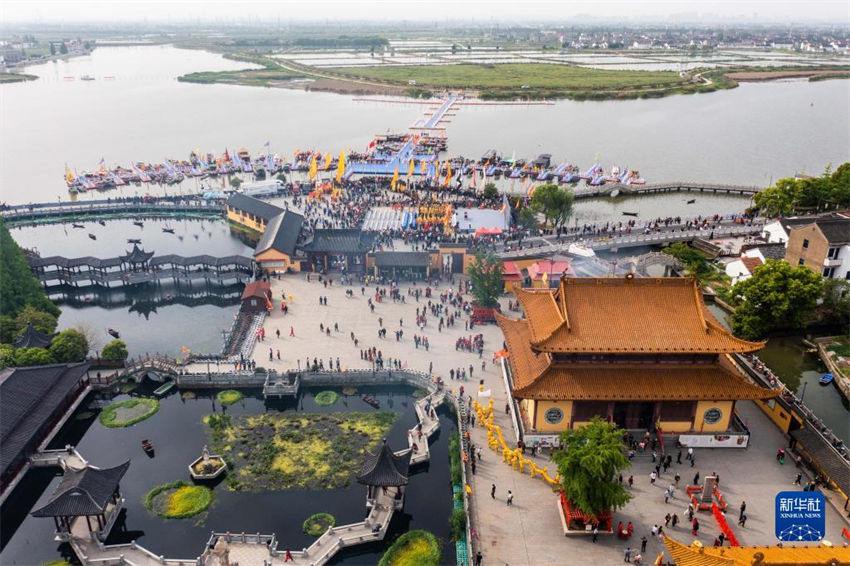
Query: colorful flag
340	168
395	179
474	175
314	168
412	169
423	167
266	144
448	178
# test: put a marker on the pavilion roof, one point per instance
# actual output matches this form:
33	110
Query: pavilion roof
136	255
32	338
83	492
384	468
627	315
684	555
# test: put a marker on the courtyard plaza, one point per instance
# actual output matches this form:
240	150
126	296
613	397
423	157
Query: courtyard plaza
530	530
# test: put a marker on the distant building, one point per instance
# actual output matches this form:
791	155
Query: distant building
339	249
256	297
275	252
823	244
250	212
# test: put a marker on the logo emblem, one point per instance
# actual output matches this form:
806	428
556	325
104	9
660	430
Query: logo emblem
800	516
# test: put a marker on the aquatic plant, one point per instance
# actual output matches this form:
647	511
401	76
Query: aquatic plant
326	398
228	396
317	524
413	548
178	500
349	390
458	524
454	455
283	451
129	412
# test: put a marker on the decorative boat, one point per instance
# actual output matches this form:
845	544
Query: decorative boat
102	222
168	230
75	225
114	333
207	467
692	201
133	241
630	214
826	379
139	223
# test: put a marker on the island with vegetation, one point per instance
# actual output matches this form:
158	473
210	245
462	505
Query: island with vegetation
178	500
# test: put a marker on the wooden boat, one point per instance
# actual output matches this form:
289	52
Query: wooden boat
147	446
133	241
163	389
630	214
168	230
114	333
371	401
692	201
102	222
75	225
92	236
826	379
139	223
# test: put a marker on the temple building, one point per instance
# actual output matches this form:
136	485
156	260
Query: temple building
640	352
698	555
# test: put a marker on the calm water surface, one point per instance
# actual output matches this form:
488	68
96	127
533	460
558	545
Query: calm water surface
179	435
747	135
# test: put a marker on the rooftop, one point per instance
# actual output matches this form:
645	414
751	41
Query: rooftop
32	338
281	234
253	206
259	289
83	492
384	468
684	555
402	259
340	241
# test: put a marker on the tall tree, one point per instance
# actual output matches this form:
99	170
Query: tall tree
115	350
69	346
776	296
18	286
589	461
485	273
554	202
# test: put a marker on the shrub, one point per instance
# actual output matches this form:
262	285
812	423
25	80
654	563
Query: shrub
228	396
454	455
458	524
414	548
317	524
115	350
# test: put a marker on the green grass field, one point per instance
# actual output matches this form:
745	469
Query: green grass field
515	75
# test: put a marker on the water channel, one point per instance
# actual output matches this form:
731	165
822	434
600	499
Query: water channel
179	434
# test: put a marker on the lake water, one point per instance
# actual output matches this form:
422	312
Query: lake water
178	435
747	135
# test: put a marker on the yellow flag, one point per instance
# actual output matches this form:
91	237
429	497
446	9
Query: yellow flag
423	167
327	161
545	278
314	168
412	169
340	168
395	178
448	174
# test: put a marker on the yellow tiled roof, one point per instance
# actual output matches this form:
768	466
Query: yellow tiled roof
618	315
640	383
684	555
525	364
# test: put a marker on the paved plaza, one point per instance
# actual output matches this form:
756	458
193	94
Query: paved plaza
529	531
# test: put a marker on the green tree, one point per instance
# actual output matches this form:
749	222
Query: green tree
8	329
485	273
63	49
69	346
52	49
554	202
18	286
235	182
490	190
694	260
527	219
40	320
589	461
789	196
835	308
25	357
7	355
776	296
115	350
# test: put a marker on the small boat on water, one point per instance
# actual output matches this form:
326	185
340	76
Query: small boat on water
826	379
630	214
102	222
371	401
75	225
92	236
168	230
133	241
147	446
114	333
87	78
138	223
692	201
164	388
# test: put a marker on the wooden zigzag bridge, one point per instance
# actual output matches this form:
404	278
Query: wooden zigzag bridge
258	549
163	207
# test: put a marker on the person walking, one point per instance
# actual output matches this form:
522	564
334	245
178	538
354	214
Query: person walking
695	527
493	491
742	520
652	477
595	533
676	478
643	543
627	554
675	520
798	479
696	479
679	457
743	509
510	499
631	481
478	558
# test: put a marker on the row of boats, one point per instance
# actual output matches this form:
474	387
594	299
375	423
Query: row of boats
204	165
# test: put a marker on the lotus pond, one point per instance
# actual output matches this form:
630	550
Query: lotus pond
314	450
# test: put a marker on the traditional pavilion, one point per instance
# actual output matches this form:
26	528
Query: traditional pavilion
32	338
90	493
699	555
388	471
640	352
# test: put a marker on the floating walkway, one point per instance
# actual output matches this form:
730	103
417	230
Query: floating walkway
43	213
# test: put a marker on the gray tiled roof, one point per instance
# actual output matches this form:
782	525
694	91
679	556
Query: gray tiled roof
385	468
83	492
281	234
340	241
253	206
